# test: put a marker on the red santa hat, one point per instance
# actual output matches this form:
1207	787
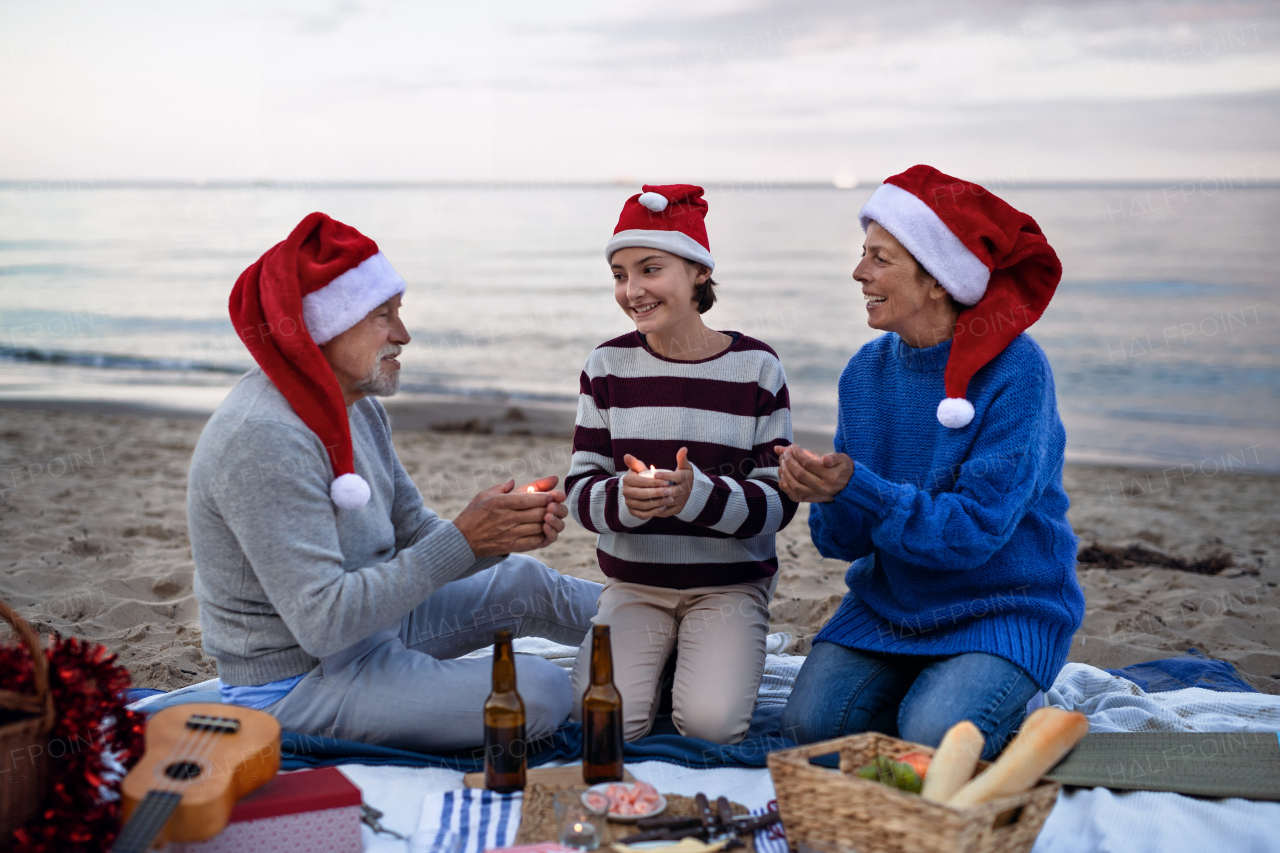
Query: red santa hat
668	217
303	292
987	255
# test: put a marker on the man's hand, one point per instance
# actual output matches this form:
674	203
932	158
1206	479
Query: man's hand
657	494
504	520
806	476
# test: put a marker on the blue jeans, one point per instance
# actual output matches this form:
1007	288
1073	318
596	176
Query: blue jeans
407	686
842	691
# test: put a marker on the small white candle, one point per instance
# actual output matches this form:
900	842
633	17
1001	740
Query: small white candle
651	473
581	835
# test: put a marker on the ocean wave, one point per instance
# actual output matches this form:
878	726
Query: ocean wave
409	383
111	361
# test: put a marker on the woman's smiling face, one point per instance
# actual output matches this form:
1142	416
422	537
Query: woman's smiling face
901	296
655	289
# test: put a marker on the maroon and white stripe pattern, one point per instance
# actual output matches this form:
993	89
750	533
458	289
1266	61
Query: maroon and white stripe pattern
729	411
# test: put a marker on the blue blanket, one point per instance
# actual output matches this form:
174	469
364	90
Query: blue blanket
764	736
565	745
1190	670
665	744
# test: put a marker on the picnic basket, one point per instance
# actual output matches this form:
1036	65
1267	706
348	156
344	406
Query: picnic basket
828	810
25	723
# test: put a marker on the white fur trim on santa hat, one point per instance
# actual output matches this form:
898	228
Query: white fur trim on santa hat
675	242
955	412
929	240
350	491
347	299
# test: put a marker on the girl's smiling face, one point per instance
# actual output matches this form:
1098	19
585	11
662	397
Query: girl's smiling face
656	289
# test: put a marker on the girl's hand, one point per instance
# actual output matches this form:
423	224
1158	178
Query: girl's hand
656	494
806	476
681	481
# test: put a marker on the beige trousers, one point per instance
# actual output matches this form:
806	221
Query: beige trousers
720	634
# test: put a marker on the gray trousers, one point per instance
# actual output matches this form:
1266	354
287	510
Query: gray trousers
402	687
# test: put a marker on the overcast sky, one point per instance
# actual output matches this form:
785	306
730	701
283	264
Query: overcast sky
589	90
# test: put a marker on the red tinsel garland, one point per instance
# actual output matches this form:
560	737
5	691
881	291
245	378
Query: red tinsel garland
88	690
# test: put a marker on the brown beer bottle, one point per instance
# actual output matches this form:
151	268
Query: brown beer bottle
505	746
601	715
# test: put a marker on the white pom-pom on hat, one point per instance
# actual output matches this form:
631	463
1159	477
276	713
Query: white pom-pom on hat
955	412
350	491
654	201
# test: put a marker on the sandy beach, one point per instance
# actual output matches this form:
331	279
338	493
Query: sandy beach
93	521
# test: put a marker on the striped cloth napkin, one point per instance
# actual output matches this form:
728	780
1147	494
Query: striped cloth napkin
771	839
472	820
466	820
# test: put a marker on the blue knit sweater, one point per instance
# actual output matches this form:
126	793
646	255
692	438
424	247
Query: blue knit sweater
959	537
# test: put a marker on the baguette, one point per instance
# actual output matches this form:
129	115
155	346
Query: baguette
1049	734
953	762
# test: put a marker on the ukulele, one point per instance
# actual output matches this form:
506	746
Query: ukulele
199	760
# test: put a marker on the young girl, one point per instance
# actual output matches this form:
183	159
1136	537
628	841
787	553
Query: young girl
674	466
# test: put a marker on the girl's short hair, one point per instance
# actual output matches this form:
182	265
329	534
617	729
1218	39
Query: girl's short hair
705	295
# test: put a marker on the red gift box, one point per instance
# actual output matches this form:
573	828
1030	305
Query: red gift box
310	811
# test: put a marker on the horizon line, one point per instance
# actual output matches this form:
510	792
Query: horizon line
746	184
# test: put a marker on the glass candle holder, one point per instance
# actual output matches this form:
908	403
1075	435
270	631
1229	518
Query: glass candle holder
578	824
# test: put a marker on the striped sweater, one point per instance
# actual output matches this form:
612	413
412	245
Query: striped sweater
729	411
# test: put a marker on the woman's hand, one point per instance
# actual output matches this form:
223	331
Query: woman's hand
806	476
657	494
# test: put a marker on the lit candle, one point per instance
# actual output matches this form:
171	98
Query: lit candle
581	835
651	473
531	490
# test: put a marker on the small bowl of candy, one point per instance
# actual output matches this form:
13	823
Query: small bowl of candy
627	801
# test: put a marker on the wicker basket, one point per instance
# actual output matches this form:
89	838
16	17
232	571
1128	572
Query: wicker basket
24	741
829	811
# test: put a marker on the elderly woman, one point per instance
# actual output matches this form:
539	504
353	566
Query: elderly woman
945	490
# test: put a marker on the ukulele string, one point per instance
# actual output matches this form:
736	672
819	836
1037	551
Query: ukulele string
205	743
176	753
151	816
197	743
195	746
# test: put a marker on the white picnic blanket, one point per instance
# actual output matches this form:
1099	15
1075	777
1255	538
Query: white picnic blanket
1083	820
1097	819
1115	704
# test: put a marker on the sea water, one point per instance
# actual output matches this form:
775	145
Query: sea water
1162	335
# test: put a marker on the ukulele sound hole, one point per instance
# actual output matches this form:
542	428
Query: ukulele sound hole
182	770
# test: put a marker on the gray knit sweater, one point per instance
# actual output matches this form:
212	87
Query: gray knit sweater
283	577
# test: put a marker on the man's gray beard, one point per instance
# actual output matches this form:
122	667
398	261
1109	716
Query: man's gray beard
379	382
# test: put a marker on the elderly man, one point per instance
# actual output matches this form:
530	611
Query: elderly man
329	595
